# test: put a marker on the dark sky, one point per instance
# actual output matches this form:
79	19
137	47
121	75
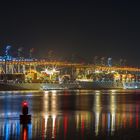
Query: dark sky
88	29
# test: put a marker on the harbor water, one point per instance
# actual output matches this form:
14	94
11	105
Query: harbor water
71	115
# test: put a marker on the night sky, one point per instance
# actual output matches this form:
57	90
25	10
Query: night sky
87	29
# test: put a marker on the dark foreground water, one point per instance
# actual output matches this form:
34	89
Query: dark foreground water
72	115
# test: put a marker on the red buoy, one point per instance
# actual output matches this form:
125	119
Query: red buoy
25	118
25	108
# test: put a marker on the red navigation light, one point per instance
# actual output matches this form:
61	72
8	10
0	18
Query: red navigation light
24	104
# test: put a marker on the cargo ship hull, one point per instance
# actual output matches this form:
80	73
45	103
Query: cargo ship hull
78	85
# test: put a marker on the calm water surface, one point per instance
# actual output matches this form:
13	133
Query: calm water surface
72	115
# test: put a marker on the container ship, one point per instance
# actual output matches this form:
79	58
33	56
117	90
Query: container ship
41	74
87	84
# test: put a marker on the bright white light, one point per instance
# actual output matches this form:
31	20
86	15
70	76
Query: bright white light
54	92
97	92
50	71
54	70
97	71
112	71
113	91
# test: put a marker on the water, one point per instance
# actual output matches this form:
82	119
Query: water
72	115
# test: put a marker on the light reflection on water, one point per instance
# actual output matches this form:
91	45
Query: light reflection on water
72	115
